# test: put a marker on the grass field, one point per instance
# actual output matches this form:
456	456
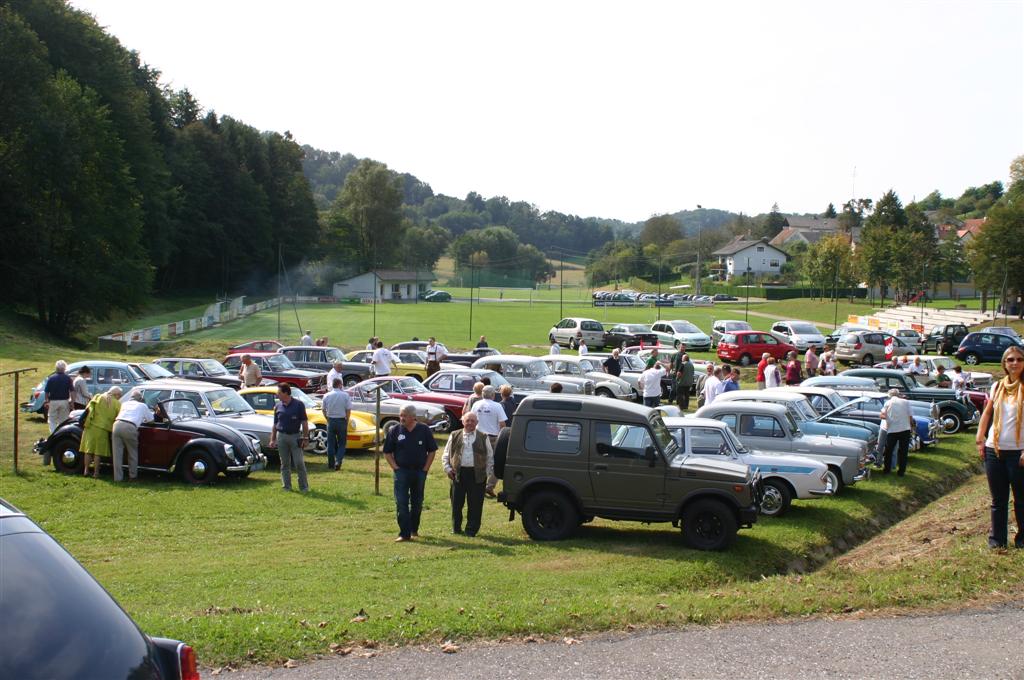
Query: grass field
248	573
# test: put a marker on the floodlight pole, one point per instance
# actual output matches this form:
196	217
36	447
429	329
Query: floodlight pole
376	453
700	225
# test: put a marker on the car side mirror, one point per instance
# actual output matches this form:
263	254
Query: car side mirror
651	455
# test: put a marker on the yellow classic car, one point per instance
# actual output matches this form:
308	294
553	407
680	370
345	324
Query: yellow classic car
360	425
408	362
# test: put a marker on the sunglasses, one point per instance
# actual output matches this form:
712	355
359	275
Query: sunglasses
1013	360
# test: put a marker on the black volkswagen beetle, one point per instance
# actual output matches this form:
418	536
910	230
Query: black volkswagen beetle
196	448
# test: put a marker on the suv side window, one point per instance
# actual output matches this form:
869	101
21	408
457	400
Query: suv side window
707	441
619	440
761	426
545	436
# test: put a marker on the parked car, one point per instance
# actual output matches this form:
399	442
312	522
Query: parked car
800	334
1003	330
530	373
207	370
410	362
565	331
911	338
980	347
469	356
746	347
279	368
954	414
49	600
850	387
197	449
364	398
783	478
723	297
360	433
723	326
322	359
105	374
605	385
632	367
566	460
833	338
255	346
945	338
770	427
437	296
627	334
865	347
976	380
410	389
682	332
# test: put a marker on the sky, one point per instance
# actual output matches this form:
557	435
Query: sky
612	109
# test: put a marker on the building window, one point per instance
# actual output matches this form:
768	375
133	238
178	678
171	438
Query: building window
774	263
422	287
396	290
760	249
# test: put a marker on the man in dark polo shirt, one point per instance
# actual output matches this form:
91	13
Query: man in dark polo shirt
290	434
409	449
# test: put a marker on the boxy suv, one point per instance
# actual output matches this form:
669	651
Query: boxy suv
567	459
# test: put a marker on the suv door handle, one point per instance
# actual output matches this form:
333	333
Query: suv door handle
600	466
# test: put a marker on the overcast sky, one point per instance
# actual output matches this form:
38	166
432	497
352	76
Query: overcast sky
616	109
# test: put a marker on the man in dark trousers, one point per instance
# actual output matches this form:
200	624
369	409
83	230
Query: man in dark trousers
469	462
683	368
290	434
409	449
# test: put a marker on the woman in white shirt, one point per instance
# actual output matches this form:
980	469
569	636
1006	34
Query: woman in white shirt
771	374
1000	441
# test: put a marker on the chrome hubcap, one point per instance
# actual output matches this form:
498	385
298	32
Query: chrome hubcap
318	438
69	457
199	469
771	502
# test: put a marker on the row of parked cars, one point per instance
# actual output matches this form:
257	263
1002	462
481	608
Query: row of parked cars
674	299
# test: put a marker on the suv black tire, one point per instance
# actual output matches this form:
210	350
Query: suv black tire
709	524
868	360
550	515
501	452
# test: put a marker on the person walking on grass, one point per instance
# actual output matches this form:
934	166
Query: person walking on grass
793	372
337	408
383	360
290	434
811	362
711	385
733	383
468	461
490	415
409	449
57	398
650	385
478	394
582	347
555	348
435	355
125	435
771	374
1001	447
307	339
99	421
482	344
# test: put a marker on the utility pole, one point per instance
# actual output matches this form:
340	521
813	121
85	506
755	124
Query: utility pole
279	300
656	302
746	311
561	284
472	270
835	280
700	225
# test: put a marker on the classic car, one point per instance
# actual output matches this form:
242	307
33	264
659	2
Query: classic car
530	373
976	380
747	347
800	334
207	370
771	427
410	362
360	433
323	359
850	385
566	331
665	358
364	398
255	346
807	419
955	414
279	368
629	334
198	449
632	367
410	389
105	374
681	332
469	356
783	477
44	588
605	385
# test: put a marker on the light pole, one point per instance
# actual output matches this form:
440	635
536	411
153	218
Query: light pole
1002	295
835	292
659	289
700	224
746	311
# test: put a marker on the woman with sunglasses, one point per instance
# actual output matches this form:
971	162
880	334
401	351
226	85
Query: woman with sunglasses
999	443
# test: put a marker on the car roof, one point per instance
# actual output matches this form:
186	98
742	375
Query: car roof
263	354
283	347
693	421
586	406
753	406
8	510
464	369
562	357
808	389
513	358
183	359
181	383
771	394
99	363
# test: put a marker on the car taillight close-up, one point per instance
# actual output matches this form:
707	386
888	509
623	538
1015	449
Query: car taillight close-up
858	345
187	663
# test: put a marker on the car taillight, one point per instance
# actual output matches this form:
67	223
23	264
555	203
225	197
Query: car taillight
858	345
187	662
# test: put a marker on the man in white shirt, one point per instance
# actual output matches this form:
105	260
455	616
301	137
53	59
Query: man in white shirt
435	355
337	408
712	386
490	414
918	368
382	360
582	349
371	344
249	372
899	423
125	435
307	339
555	348
650	384
335	373
468	461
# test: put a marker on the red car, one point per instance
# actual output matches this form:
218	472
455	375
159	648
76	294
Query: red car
411	389
278	367
746	347
256	346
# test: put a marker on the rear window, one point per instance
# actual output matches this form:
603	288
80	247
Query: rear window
850	339
728	338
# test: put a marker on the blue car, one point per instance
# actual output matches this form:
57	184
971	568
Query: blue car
984	347
105	374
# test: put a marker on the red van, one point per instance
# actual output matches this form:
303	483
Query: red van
746	347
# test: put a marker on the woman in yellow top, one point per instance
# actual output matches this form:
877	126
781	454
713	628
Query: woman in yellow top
102	412
1000	447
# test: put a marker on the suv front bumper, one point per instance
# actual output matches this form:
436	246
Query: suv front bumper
747	516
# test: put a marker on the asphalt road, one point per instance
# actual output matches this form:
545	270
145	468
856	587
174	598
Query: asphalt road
969	644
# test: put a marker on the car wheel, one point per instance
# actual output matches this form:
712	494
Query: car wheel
604	392
776	499
350	381
318	441
501	453
972	359
197	467
868	360
66	456
951	422
549	516
745	360
835	477
709	524
551	339
387	424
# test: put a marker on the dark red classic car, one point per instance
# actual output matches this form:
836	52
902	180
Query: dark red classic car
196	448
280	368
255	346
411	389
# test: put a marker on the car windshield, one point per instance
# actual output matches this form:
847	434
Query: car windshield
806	410
227	402
154	371
412	386
631	362
137	374
735	441
497	379
804	328
213	367
334	355
538	369
280	362
587	365
738	326
665	440
684	327
637	328
794	429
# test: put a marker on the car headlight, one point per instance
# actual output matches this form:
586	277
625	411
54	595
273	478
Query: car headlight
229	450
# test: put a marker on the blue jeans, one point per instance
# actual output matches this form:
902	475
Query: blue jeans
337	430
409	499
1004	474
652	402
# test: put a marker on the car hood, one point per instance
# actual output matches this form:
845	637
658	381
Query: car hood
718	469
248	422
765	461
600	376
694	337
824	444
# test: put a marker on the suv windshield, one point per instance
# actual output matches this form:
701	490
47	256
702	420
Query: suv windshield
666	442
213	367
280	362
684	327
804	328
227	402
